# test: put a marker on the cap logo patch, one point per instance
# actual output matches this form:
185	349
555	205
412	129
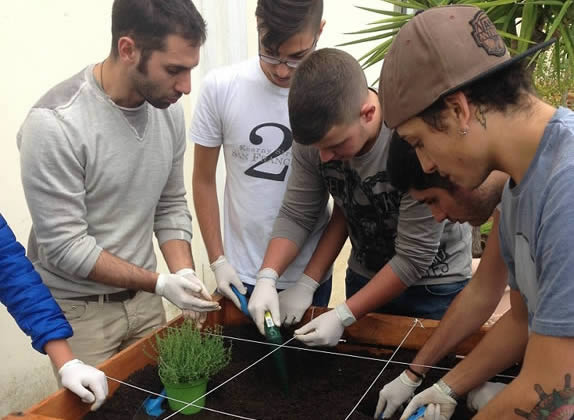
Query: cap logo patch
485	35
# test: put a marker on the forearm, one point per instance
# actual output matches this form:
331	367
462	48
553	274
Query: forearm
177	254
503	346
329	246
279	254
117	272
205	198
417	241
383	287
305	198
59	352
545	377
472	307
207	211
467	313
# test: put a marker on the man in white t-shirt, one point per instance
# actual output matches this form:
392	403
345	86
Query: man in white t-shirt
243	108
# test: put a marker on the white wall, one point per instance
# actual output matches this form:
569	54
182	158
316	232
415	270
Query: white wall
44	42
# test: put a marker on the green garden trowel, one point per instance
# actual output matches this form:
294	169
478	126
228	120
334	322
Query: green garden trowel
272	335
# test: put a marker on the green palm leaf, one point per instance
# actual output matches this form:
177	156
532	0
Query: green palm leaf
521	23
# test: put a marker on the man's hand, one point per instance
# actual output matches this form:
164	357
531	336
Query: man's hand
197	317
185	292
394	394
326	329
294	301
480	396
225	276
264	298
87	382
439	405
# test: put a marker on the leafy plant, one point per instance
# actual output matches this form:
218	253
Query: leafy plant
520	23
186	354
486	227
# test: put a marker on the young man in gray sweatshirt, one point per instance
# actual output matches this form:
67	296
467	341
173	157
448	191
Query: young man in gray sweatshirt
402	261
102	170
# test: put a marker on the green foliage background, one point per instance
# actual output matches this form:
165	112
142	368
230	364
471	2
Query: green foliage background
520	23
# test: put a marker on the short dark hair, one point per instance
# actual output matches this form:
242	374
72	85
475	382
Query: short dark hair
149	22
405	171
328	88
499	91
279	20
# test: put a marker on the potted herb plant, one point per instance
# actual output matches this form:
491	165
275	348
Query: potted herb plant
187	358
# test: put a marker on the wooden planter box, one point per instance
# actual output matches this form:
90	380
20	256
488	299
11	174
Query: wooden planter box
366	334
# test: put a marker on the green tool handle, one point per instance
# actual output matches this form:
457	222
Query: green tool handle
272	333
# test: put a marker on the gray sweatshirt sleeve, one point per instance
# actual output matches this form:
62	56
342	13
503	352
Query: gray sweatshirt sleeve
53	180
417	242
305	197
172	217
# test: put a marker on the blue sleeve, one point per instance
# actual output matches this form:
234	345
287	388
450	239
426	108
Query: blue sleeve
27	299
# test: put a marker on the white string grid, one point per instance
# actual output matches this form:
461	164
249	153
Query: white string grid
284	345
415	321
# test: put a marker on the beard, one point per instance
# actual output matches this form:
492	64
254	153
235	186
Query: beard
149	90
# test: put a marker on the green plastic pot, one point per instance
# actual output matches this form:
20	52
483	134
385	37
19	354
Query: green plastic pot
187	392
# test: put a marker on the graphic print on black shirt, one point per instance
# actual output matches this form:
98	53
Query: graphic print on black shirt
371	208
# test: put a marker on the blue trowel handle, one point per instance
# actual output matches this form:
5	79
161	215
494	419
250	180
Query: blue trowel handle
242	300
415	416
418	414
153	405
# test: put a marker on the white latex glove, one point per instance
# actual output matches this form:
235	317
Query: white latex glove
197	317
87	382
225	276
480	396
264	298
294	301
326	329
439	405
394	394
185	292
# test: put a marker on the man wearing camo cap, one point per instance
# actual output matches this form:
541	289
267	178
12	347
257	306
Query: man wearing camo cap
452	91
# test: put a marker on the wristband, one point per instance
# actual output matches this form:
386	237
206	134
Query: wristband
443	386
418	375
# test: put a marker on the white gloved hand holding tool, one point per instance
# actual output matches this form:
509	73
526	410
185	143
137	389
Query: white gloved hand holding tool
439	399
197	317
294	301
394	394
225	276
264	298
480	396
87	382
326	329
185	292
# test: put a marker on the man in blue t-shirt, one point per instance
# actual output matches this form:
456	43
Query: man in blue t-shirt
467	108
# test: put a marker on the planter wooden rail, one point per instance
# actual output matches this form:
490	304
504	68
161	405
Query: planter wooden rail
369	332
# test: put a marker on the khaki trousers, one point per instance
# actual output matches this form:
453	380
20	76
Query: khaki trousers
102	329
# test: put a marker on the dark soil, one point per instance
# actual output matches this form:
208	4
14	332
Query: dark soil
320	385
